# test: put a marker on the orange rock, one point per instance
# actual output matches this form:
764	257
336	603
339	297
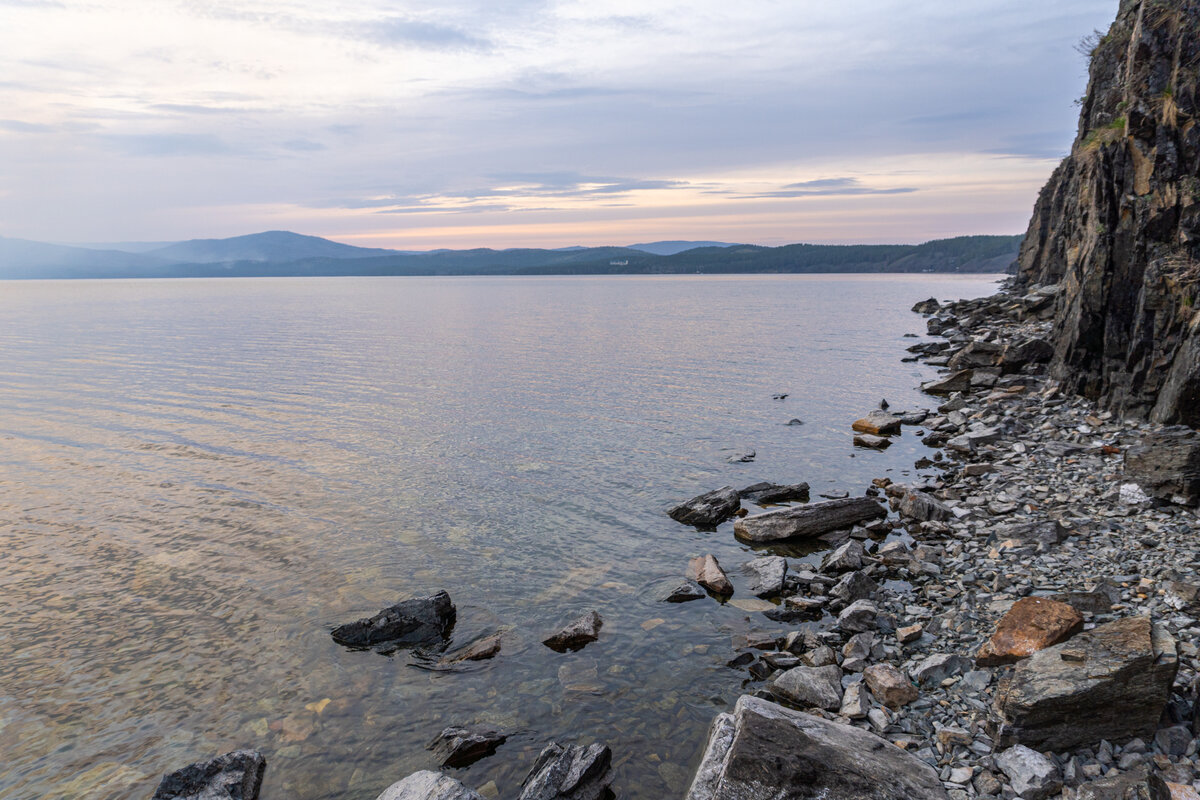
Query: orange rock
1180	791
878	423
1032	624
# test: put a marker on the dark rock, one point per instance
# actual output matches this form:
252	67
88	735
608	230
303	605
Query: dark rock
742	458
1167	465
1133	785
929	306
776	493
421	620
848	556
955	382
976	354
426	785
1085	602
763	751
807	521
923	507
1029	351
685	591
1111	682
872	442
485	648
460	747
233	776
938	667
1032	775
578	633
854	586
766	575
568	773
709	509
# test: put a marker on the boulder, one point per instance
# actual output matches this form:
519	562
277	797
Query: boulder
938	667
924	507
706	571
1136	784
463	746
809	687
854	586
233	776
568	772
421	620
976	354
955	382
846	557
1111	682
889	685
930	306
878	423
708	510
807	521
575	635
763	751
1031	775
683	592
859	616
426	785
766	575
1029	351
1032	624
776	493
872	442
1167	465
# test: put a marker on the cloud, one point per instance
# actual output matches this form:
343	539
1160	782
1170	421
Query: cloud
302	146
571	184
829	187
18	126
401	32
168	144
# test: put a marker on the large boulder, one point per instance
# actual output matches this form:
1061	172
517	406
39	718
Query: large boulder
426	785
1032	624
1111	682
763	751
568	773
1167	465
233	776
421	620
807	521
708	510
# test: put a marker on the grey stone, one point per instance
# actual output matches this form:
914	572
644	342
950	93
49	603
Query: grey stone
233	776
809	687
807	521
707	510
1166	465
461	746
1031	774
859	616
568	772
421	620
426	785
923	507
846	557
1134	785
766	752
766	575
854	586
938	667
683	592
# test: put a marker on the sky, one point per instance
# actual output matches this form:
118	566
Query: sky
544	123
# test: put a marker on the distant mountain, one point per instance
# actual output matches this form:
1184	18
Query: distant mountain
124	247
281	254
670	248
272	247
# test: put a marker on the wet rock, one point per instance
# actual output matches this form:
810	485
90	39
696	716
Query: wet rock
929	306
766	575
1109	683
462	746
1166	465
706	571
763	493
764	751
568	772
809	687
426	785
956	382
807	521
1031	774
233	776
889	685
488	647
577	634
742	458
923	507
682	593
872	442
421	620
1032	624
707	510
878	423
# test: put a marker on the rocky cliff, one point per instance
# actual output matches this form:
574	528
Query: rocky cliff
1118	224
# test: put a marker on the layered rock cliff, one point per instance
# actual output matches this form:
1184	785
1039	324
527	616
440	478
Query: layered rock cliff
1118	224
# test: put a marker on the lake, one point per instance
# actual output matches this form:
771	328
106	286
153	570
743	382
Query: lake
201	478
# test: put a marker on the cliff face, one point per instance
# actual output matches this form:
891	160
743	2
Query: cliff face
1118	224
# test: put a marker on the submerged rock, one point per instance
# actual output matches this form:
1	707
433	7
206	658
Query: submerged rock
485	648
709	509
576	634
763	751
807	521
426	785
1110	683
463	746
568	773
233	776
421	620
686	590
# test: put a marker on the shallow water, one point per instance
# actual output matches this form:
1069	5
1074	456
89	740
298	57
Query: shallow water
200	478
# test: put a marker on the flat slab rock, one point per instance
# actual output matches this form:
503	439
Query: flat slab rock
576	634
776	493
569	772
233	776
421	620
463	746
807	521
709	509
878	423
426	785
1111	682
1032	624
763	751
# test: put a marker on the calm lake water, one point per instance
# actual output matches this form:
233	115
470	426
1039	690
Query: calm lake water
200	478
